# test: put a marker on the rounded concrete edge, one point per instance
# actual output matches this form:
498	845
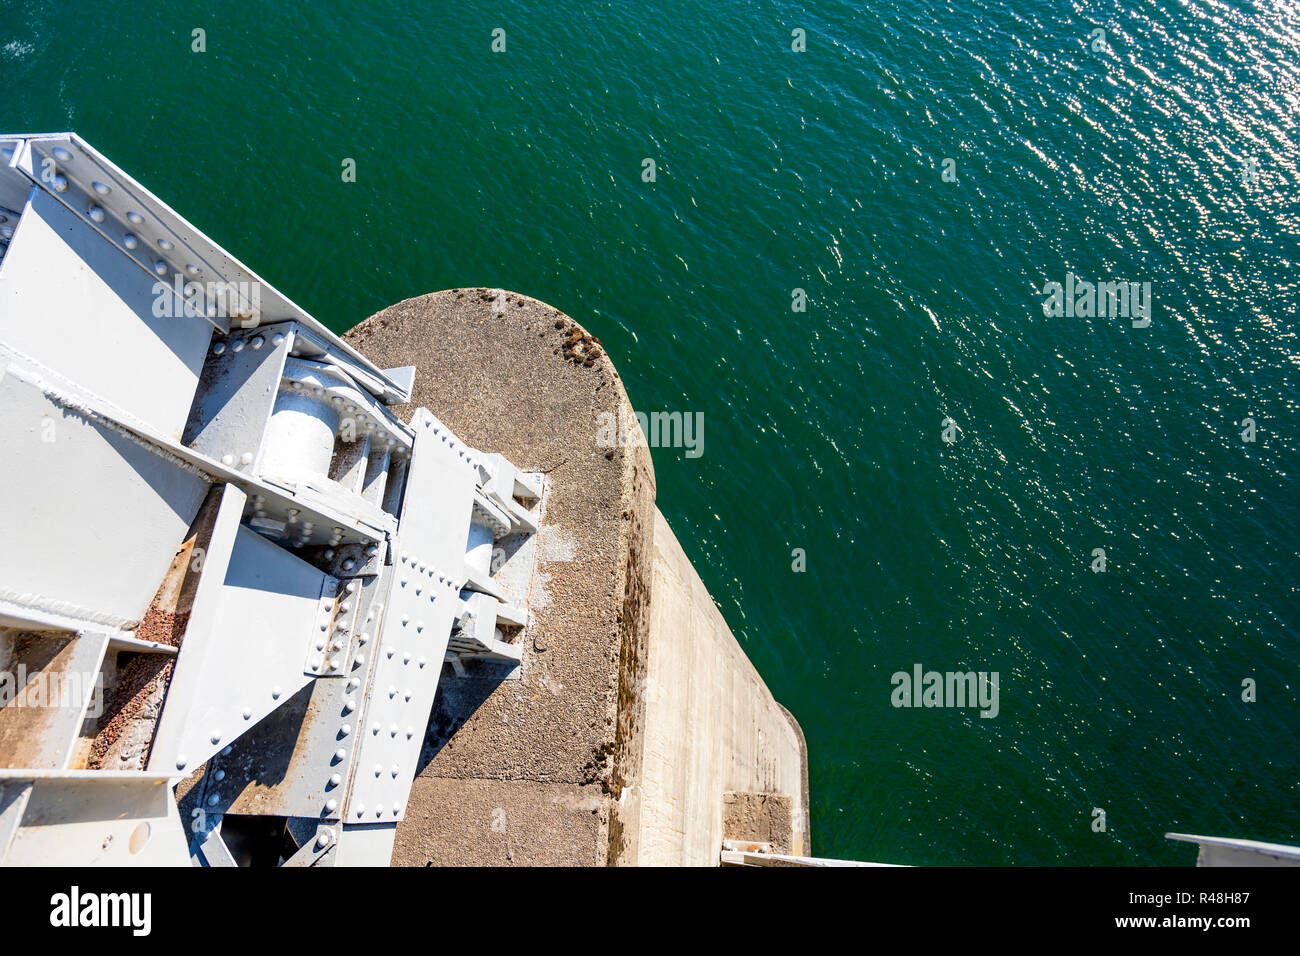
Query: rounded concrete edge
803	760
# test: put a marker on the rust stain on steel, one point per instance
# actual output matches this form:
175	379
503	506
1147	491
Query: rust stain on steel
30	717
130	718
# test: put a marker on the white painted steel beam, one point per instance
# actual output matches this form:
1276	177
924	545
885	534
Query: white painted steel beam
93	818
189	456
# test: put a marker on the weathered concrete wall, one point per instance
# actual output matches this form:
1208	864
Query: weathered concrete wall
711	724
764	818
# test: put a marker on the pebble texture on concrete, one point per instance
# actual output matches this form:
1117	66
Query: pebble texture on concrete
512	375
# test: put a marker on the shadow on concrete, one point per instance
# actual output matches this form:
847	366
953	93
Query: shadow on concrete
456	701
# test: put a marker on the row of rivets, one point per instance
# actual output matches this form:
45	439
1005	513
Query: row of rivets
97	214
352	685
448	439
421	568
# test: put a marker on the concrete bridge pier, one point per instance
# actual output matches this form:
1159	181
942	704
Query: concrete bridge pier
636	730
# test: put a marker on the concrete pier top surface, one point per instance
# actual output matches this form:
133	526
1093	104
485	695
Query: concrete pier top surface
551	768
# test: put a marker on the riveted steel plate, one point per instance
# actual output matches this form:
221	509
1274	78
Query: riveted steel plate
58	266
114	204
243	651
296	762
237	392
423	599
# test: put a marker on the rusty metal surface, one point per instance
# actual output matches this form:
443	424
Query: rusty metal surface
42	719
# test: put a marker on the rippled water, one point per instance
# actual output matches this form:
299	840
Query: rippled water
822	170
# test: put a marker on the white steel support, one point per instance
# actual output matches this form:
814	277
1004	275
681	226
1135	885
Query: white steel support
211	509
